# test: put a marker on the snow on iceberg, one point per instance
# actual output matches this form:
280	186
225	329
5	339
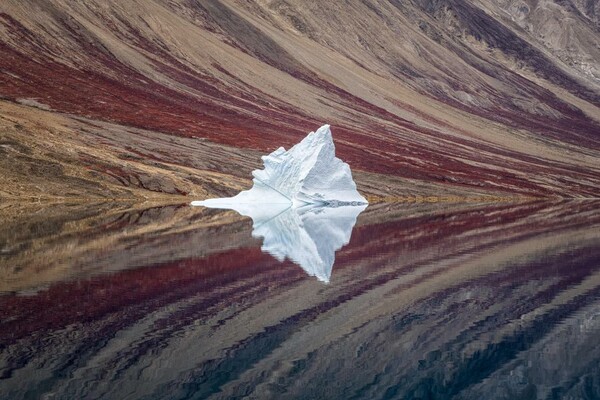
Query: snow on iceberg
304	203
308	173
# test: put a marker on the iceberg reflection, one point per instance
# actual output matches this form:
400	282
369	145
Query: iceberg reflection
308	235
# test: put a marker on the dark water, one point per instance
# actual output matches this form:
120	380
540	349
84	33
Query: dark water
430	301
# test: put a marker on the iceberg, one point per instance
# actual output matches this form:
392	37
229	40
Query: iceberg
304	203
308	173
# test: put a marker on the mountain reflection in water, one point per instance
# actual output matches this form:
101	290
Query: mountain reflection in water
426	301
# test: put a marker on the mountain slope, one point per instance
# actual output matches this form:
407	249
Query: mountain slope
448	96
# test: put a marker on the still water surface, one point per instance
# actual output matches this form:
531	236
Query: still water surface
430	301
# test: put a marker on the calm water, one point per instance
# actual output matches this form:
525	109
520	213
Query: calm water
430	301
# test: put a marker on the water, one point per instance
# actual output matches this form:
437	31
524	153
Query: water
427	301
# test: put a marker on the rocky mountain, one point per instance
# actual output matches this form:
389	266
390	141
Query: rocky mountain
180	97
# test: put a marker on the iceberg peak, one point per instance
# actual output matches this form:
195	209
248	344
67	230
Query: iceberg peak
308	173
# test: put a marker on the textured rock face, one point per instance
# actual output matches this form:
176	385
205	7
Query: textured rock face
489	97
563	28
309	173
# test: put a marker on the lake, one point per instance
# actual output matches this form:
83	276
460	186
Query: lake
426	301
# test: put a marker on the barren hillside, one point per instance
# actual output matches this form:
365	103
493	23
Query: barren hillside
167	98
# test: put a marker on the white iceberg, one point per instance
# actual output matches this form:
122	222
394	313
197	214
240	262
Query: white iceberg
308	173
304	203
